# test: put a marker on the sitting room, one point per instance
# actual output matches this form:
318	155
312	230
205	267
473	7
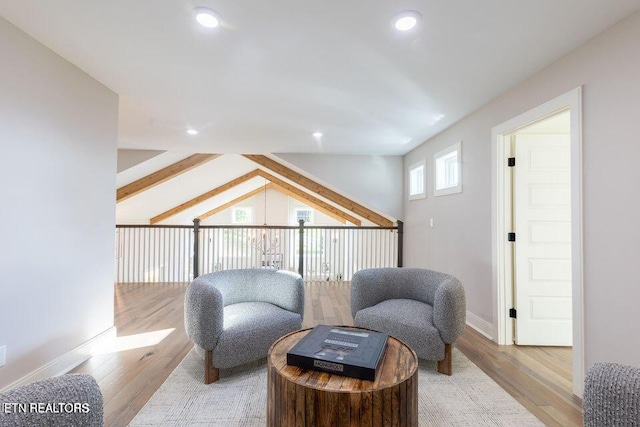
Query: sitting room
191	190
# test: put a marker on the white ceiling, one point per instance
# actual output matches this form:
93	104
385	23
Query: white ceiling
278	70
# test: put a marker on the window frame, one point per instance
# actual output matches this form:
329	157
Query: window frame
248	209
423	194
298	209
437	165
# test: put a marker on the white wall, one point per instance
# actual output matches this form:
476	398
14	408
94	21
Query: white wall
372	180
58	131
280	210
276	210
318	219
460	242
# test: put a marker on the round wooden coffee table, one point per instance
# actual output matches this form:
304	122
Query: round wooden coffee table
305	397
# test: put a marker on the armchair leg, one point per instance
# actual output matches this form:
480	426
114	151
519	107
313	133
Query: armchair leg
211	374
444	365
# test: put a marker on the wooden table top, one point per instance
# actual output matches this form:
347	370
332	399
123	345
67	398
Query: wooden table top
398	363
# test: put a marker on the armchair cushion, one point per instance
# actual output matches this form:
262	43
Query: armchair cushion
408	320
250	329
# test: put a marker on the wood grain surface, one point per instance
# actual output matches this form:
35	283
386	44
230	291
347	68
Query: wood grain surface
306	397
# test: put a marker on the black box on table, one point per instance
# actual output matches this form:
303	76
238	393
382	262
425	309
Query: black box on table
344	351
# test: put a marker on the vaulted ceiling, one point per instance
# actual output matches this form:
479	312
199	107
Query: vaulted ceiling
275	72
170	188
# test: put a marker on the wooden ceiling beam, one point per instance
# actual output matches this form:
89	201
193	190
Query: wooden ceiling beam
206	196
234	202
288	188
319	189
306	199
165	174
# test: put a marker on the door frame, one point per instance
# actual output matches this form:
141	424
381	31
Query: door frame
501	220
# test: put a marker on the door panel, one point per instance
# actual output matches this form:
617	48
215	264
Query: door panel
542	222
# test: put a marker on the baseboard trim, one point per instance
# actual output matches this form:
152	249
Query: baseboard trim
479	324
66	362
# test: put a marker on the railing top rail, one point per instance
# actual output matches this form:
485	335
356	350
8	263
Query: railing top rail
333	227
151	226
260	227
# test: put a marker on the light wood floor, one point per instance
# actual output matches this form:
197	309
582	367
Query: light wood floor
539	378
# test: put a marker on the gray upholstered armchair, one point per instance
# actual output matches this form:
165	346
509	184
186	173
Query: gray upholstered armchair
612	396
425	309
68	400
234	316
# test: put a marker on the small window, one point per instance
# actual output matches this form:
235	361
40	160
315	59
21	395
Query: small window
448	170
304	214
242	215
417	186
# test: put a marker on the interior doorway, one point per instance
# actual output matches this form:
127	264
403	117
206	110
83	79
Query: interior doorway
541	225
538	229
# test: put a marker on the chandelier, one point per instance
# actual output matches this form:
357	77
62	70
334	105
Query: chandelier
264	242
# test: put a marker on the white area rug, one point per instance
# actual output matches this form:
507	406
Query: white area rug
467	398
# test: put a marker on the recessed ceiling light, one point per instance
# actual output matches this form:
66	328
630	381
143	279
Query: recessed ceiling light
192	131
207	17
407	20
317	134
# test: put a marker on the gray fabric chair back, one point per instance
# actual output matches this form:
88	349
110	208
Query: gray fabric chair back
278	287
396	283
612	396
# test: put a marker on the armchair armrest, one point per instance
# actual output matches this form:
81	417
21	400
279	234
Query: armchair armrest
450	309
368	288
75	399
203	313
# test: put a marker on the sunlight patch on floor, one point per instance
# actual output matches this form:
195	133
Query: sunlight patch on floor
130	342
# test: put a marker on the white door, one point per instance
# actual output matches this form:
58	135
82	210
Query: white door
542	223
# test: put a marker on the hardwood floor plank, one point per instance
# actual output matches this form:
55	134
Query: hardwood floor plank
538	377
521	374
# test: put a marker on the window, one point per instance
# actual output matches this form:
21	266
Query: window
417	187
242	215
448	170
304	214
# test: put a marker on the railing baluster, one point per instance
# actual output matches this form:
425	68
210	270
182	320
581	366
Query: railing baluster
227	250
301	249
137	259
140	259
196	247
204	251
116	261
180	257
163	256
146	249
400	242
186	255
